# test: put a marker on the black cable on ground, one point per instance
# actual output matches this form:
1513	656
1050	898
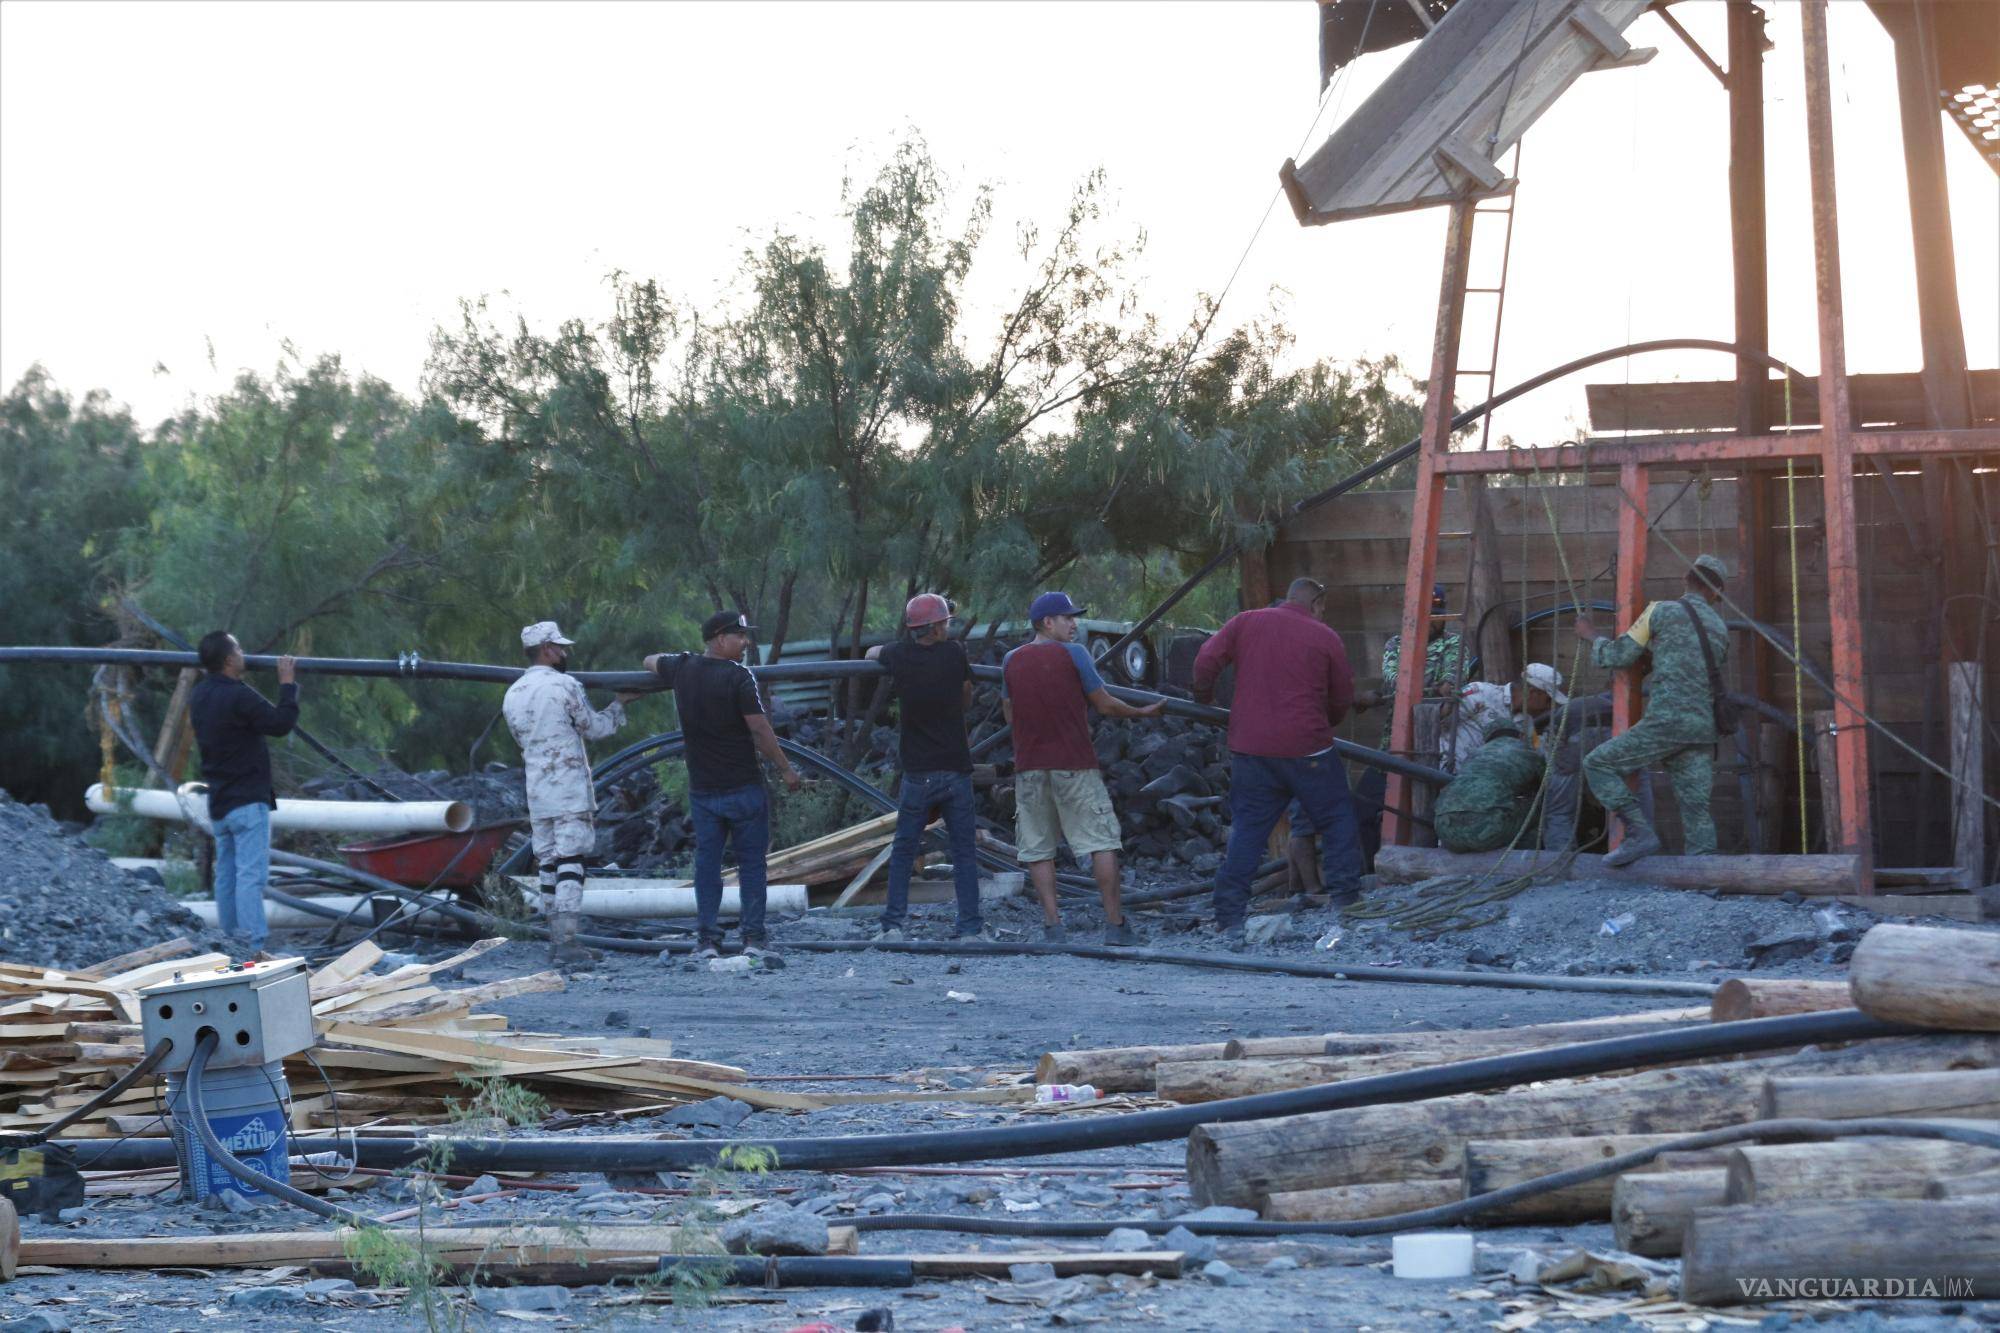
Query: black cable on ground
1447	1213
1487	1074
1419	976
198	1114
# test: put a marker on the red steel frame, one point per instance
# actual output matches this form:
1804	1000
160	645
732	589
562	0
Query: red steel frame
1835	446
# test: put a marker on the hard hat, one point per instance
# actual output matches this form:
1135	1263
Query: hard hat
926	608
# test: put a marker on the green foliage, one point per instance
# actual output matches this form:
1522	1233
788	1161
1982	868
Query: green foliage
497	1099
837	433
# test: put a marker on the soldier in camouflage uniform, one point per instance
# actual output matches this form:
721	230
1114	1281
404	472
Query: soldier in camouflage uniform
551	719
1678	731
1444	669
1485	806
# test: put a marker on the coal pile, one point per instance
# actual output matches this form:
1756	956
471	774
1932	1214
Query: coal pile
496	793
64	904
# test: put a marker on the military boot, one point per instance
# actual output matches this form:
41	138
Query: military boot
1640	841
564	951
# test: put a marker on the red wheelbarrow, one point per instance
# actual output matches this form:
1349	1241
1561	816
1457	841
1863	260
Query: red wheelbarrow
443	860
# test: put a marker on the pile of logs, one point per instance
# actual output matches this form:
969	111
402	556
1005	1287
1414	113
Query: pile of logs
1860	1207
398	1049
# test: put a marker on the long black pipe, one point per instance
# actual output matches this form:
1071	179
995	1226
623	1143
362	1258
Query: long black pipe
1076	1134
646	682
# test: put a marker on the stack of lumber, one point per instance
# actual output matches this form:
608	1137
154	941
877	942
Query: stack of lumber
1883	1207
398	1048
835	858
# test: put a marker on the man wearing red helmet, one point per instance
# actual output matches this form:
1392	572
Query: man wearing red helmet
933	682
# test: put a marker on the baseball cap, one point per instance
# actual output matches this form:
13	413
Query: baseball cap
1713	568
1501	726
1438	605
1053	604
541	632
1541	676
724	621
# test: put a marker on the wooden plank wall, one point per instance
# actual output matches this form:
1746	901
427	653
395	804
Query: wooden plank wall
1357	546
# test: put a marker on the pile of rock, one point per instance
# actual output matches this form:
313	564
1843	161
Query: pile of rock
496	792
62	902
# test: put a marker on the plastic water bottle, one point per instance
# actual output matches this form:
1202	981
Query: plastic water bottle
1329	941
1617	925
1065	1092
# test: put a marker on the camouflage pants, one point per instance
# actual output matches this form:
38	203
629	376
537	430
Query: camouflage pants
1565	789
565	840
1690	768
1483	830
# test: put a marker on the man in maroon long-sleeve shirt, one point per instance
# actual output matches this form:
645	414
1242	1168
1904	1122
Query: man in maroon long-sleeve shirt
1293	685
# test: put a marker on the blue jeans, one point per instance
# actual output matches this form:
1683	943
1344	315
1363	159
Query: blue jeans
741	818
922	793
242	869
1259	789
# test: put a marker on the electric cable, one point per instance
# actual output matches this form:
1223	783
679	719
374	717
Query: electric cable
1484	1074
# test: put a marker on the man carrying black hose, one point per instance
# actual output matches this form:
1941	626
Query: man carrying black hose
551	720
231	721
1293	686
722	718
933	683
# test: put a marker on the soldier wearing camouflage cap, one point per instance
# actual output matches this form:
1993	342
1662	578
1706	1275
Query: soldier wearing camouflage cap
1678	731
1484	808
551	721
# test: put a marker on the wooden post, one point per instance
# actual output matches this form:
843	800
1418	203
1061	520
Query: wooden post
1485	589
1837	453
1631	596
1968	769
1254	579
1429	745
1746	209
1829	779
1427	508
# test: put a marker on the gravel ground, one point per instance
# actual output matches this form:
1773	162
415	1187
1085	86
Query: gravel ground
63	903
879	1013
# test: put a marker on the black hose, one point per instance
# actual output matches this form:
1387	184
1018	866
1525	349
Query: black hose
834	1270
204	1047
1487	1074
1419	976
1443	1214
44	1133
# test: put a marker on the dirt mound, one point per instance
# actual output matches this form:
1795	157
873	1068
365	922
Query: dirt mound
63	903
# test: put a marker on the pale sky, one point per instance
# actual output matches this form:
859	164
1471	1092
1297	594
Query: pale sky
175	176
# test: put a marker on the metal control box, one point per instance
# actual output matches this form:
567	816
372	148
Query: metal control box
260	1012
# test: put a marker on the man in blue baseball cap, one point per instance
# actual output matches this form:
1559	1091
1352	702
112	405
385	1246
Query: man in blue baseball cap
1059	794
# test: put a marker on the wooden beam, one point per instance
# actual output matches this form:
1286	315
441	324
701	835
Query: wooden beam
1717	449
1486	589
1687	40
1421	565
1835	414
1939	323
1762	875
1880	399
1968	771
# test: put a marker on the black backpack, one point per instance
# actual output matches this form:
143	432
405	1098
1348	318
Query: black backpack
1728	714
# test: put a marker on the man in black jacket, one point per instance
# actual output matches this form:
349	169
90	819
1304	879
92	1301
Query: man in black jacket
231	721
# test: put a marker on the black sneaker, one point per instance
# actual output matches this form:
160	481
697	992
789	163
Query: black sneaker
1122	936
1055	934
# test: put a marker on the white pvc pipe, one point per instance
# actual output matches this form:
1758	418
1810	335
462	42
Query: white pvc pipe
645	899
361	817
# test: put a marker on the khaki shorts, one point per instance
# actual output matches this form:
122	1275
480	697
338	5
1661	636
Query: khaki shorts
1071	802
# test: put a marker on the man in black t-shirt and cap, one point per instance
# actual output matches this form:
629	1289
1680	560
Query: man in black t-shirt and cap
934	686
723	721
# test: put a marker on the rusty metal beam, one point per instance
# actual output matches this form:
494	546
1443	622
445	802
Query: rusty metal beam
1843	577
1626	703
1428	507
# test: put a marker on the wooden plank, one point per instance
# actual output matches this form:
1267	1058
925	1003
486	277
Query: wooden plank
1968	771
1897	398
357	960
1954	906
408	975
862	876
125	962
1766	875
